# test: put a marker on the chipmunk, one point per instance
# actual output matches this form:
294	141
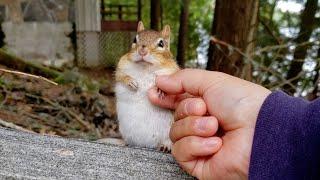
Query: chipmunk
140	122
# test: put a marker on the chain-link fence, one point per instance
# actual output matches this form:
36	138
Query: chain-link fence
102	48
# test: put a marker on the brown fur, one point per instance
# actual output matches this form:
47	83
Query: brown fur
120	76
148	38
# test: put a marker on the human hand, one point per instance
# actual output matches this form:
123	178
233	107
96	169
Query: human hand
232	103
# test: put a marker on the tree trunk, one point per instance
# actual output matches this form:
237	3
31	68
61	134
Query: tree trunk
314	94
235	23
139	9
210	63
183	33
155	14
307	25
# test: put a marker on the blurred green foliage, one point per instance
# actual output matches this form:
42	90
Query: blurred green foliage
200	16
278	25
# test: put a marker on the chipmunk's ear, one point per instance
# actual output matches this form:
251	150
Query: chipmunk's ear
140	26
166	34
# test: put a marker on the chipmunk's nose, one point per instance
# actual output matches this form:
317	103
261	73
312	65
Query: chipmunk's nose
143	50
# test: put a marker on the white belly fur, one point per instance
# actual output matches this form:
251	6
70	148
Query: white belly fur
141	123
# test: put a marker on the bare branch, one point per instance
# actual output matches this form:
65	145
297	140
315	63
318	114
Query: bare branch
281	46
250	60
86	125
28	75
268	29
13	126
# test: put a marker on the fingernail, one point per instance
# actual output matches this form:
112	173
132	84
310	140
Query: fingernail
194	107
211	142
191	106
202	123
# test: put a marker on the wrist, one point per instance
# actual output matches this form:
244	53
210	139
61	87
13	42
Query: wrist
256	101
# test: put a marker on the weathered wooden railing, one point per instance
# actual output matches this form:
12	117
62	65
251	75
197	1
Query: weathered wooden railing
31	156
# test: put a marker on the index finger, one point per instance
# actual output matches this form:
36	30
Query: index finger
192	81
167	101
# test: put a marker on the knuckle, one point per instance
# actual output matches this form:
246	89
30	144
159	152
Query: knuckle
187	70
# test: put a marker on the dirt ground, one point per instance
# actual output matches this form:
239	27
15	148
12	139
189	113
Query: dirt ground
67	110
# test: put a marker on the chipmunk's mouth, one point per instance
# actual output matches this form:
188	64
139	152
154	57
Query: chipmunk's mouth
143	60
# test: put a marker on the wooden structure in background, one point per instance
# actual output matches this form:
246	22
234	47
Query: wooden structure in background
37	31
104	31
95	15
110	26
108	11
88	17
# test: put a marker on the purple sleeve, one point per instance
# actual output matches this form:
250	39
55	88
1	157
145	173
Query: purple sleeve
286	142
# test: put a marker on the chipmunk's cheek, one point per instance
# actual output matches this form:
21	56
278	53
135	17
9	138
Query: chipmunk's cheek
150	59
135	57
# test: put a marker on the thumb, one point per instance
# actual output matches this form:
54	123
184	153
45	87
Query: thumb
191	81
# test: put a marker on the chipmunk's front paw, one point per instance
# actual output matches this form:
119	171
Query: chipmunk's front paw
161	94
134	85
164	148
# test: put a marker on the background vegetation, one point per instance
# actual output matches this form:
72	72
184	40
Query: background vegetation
274	43
271	42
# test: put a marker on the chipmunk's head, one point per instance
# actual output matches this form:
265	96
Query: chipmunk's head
151	47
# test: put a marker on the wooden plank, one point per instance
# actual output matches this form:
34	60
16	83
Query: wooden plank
117	5
88	17
110	26
30	156
109	12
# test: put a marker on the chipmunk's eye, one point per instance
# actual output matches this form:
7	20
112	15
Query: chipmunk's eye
161	44
135	40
